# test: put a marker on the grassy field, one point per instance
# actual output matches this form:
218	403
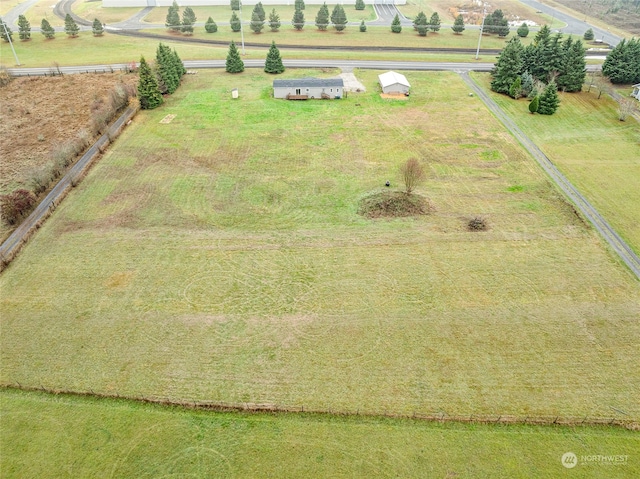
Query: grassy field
596	151
90	9
220	257
57	436
43	9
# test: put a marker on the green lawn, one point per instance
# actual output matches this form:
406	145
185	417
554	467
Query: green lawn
221	257
596	151
90	9
59	436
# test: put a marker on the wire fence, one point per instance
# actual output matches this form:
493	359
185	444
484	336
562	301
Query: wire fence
271	408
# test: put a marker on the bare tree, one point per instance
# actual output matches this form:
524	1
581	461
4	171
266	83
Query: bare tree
626	107
412	174
600	82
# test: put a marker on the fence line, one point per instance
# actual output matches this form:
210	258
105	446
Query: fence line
268	408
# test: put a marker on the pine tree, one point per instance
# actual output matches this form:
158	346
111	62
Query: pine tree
458	25
256	24
359	4
508	66
434	22
622	65
148	92
47	30
298	19
549	100
97	28
503	28
5	32
322	18
179	65
339	18
527	84
573	68
274	21
24	28
515	90
534	105
70	26
166	69
173	18
235	5
273	63
363	27
420	24
210	26
259	9
234	62
234	23
589	35
188	20
299	4
396	26
523	30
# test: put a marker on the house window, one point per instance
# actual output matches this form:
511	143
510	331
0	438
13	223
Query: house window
332	90
307	90
297	91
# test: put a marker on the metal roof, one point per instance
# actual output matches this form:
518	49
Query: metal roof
391	78
308	82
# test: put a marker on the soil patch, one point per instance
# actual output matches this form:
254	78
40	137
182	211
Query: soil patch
394	204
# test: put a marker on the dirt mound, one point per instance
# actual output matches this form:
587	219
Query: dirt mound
393	204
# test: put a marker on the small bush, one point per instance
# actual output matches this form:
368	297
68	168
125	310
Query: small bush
477	223
16	205
5	78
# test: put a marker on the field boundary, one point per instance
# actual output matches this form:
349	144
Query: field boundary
14	243
267	408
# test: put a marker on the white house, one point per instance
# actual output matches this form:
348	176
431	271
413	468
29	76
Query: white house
636	91
309	88
392	82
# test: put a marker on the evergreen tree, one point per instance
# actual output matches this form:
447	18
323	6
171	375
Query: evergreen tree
339	18
420	24
396	26
166	69
523	30
298	19
508	66
273	63
589	35
188	20
256	24
622	65
47	30
259	9
234	62
210	26
503	28
24	28
173	18
363	27
434	22
148	92
458	25
515	90
235	5
70	26
97	28
299	4
5	32
359	4
538	54
234	23
527	84
274	21
549	100
179	65
322	18
534	105
574	66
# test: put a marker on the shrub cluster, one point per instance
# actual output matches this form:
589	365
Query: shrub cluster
15	205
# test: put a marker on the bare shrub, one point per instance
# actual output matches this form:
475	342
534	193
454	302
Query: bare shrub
5	78
626	107
412	174
15	205
477	223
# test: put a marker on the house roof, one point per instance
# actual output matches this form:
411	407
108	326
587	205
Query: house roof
391	78
308	82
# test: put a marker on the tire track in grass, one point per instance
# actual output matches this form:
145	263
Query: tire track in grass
622	249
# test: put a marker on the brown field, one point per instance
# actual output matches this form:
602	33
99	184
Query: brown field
614	12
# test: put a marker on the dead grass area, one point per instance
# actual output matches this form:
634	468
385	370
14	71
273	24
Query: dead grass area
624	15
394	96
393	204
39	113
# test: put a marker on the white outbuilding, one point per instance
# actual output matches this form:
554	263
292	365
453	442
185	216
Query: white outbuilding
393	82
636	91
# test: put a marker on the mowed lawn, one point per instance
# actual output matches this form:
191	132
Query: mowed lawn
220	257
597	152
57	436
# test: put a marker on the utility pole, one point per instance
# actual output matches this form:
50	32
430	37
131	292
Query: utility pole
484	14
10	42
241	29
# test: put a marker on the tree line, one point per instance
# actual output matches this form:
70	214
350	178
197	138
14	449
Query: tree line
161	79
71	28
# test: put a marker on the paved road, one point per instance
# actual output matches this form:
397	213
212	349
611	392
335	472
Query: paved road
601	225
